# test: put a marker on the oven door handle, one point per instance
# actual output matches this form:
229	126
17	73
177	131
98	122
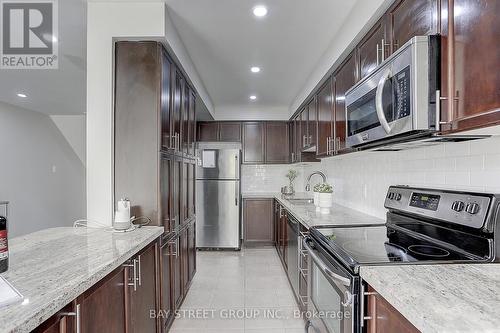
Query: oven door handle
378	101
345	281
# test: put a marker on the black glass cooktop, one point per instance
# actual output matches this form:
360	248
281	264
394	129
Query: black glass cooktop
369	245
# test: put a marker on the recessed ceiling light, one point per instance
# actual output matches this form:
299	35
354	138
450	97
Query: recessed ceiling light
255	69
260	11
253	97
22	95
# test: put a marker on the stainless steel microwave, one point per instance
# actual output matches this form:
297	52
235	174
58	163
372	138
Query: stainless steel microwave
398	99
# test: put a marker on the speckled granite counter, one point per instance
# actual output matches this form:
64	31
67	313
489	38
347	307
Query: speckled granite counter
309	217
53	266
441	298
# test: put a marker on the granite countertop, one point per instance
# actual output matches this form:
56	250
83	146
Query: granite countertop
441	298
53	266
309	217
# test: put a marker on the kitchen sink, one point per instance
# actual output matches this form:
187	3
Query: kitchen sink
301	201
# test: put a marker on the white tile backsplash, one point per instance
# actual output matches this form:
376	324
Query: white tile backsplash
360	180
269	178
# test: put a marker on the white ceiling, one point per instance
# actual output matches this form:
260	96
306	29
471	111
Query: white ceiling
60	91
224	39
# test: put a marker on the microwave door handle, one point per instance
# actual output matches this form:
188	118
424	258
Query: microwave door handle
378	101
345	281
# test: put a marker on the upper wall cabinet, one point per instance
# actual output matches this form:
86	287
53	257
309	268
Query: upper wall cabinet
276	149
372	49
471	59
325	119
253	142
208	131
408	18
225	131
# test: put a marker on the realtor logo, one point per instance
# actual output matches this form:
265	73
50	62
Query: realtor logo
28	34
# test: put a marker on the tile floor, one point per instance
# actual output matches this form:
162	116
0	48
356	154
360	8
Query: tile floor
239	292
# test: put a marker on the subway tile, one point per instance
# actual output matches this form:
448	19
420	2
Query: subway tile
492	161
467	163
485	178
457	178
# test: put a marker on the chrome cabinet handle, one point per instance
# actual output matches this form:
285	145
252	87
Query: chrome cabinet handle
328	145
75	314
176	242
378	102
133	265
345	281
347	299
383	50
337	144
139	269
304	141
378	50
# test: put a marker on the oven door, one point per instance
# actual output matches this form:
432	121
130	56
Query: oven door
332	296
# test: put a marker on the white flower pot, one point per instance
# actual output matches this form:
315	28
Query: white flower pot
316	201
325	202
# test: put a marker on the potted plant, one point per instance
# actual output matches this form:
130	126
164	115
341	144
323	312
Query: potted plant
291	175
324	197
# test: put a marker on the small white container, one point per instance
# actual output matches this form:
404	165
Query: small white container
325	202
316	201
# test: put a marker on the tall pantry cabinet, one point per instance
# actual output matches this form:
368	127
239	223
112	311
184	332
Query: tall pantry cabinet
155	125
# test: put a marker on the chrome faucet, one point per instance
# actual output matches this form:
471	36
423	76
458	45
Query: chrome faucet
308	186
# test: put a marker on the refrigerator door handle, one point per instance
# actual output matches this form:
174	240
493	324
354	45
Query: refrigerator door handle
236	193
236	167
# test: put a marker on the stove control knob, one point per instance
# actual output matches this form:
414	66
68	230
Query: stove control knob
398	197
458	206
472	208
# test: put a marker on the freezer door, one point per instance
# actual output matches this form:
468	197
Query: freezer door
218	164
217	214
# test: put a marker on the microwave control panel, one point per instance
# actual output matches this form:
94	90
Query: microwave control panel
401	83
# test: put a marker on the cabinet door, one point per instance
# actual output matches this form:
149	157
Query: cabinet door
167	283
345	78
184	255
177	110
191	190
208	131
165	100
59	323
298	138
102	308
369	50
177	273
186	100
253	142
230	131
325	118
192	123
258	221
144	298
409	18
166	194
475	63
184	193
312	117
191	251
276	142
385	318
176	192
284	236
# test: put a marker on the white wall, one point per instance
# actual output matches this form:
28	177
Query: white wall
361	180
361	17
73	129
41	175
251	113
105	21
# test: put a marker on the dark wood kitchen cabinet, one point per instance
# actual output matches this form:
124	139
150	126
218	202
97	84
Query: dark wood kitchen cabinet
167	306
191	232
208	131
230	131
63	321
258	221
325	119
143	297
310	124
372	49
384	318
344	78
276	145
408	18
472	54
253	143
103	307
280	225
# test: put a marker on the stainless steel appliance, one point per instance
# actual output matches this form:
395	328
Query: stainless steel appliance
398	99
218	196
423	226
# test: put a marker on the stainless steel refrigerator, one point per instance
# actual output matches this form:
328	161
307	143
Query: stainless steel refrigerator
218	196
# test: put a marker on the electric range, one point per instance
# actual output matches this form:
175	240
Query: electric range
423	226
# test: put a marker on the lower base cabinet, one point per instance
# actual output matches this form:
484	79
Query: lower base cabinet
383	317
178	267
258	221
